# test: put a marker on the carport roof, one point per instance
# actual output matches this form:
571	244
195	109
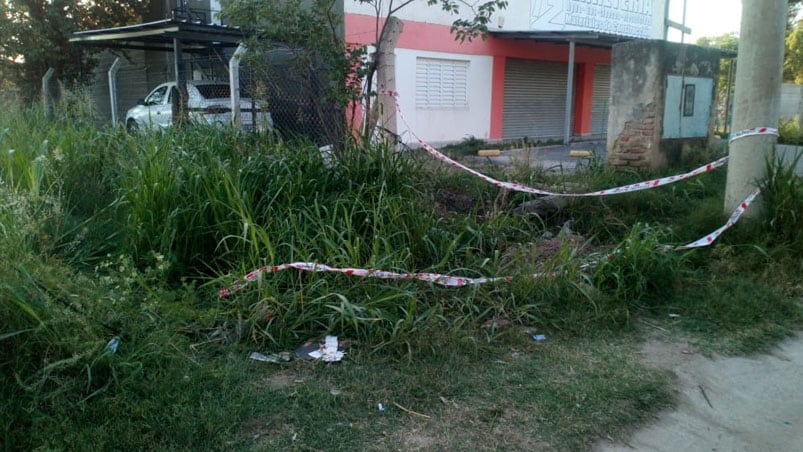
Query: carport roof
159	35
585	38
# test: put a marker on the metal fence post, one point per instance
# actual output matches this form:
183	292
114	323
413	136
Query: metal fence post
113	88
46	90
234	87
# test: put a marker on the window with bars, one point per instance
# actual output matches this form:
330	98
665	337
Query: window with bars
441	83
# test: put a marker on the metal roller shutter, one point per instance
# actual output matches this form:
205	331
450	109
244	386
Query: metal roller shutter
600	99
535	98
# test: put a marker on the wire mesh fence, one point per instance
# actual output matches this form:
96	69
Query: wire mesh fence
276	92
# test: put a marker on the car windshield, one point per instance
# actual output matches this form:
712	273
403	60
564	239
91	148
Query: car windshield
218	91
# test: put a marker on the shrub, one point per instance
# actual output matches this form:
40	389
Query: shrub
789	132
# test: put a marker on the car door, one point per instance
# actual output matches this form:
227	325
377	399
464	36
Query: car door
160	111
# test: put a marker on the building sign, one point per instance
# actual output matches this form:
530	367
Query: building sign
621	17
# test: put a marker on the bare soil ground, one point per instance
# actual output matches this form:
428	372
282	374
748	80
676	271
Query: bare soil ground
726	404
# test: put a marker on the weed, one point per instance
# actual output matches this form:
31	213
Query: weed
782	196
468	146
638	270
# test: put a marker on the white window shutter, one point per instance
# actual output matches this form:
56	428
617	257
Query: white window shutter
441	83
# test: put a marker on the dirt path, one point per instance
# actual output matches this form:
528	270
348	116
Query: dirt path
727	404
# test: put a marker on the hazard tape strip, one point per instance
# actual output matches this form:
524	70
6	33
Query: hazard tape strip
454	281
737	213
607	192
436	278
753	131
460	281
611	191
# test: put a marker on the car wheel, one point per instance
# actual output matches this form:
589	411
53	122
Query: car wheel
132	126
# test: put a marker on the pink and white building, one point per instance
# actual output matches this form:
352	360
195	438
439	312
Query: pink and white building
517	82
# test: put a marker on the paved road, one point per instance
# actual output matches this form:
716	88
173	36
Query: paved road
727	404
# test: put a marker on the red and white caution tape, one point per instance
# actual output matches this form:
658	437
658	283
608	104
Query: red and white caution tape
753	131
611	191
737	213
436	278
448	280
461	281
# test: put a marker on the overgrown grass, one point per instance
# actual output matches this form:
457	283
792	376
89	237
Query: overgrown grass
782	195
103	235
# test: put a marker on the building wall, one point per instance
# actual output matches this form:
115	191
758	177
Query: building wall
488	61
787	154
641	71
415	12
791	101
640	18
445	124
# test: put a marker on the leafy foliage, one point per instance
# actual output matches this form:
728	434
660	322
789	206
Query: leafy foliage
728	42
321	62
793	59
793	56
34	36
313	32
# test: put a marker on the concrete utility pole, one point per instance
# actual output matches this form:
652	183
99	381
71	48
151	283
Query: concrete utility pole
757	98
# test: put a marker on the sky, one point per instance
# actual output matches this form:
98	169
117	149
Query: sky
706	17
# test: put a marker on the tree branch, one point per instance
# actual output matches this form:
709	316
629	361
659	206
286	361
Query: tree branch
394	11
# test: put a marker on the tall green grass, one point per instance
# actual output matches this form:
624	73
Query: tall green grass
782	197
106	234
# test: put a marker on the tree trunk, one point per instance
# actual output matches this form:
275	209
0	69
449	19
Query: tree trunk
383	112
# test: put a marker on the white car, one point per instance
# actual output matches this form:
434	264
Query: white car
209	102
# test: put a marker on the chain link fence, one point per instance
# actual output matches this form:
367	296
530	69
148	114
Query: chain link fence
276	92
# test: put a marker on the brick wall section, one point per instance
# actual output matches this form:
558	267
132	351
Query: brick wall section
635	144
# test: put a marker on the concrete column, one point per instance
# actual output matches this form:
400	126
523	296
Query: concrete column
757	97
567	125
498	96
584	99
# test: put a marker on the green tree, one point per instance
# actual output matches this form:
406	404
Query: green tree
793	58
793	51
312	30
728	42
34	36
